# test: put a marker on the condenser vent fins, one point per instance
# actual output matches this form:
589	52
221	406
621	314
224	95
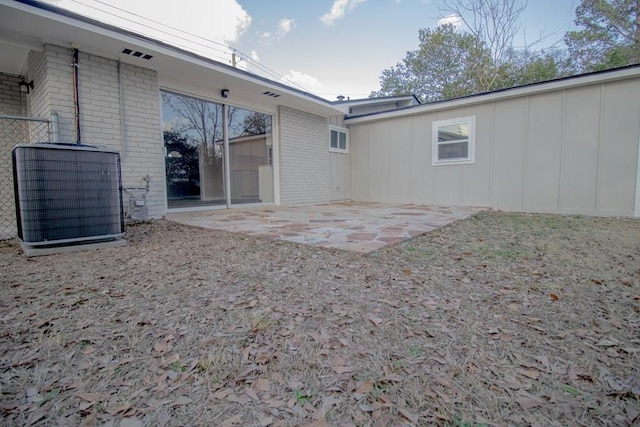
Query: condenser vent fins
67	194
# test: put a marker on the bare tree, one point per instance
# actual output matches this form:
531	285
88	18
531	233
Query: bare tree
202	117
495	23
255	123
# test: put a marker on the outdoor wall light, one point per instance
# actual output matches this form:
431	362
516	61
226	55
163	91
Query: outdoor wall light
224	93
24	86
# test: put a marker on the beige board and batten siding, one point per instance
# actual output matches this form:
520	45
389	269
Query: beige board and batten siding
567	150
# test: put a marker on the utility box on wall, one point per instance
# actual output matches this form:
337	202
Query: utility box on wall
67	194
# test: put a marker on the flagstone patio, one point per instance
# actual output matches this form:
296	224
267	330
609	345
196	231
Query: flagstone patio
353	226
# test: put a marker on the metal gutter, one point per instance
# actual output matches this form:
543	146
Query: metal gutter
630	71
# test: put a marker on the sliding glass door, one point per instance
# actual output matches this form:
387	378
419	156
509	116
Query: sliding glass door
196	145
250	146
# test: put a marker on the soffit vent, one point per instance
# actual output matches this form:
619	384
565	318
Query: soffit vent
271	94
136	53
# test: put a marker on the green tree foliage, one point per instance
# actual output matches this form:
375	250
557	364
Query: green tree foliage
610	34
524	67
446	64
496	23
182	164
481	58
449	64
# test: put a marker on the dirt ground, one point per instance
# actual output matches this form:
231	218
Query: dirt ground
500	319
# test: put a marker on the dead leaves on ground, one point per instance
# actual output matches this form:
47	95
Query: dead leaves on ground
237	331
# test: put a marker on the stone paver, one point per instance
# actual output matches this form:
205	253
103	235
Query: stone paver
354	226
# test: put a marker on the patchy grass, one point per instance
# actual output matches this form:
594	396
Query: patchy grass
501	319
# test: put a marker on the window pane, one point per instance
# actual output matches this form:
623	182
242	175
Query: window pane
458	150
453	132
334	139
343	141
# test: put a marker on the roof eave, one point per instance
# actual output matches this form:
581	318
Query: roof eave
503	94
303	100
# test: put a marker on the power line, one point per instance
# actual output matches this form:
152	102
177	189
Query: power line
156	22
153	28
268	71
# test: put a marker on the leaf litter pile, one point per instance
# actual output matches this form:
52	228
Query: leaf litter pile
499	319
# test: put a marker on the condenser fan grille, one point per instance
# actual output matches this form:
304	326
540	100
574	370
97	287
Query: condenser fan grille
66	193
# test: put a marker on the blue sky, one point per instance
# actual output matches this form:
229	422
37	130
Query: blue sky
328	47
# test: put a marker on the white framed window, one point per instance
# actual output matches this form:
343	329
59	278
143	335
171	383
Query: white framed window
454	141
338	140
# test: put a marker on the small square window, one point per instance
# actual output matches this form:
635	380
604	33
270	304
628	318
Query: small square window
453	141
338	141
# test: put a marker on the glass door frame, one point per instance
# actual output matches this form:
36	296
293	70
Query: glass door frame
226	173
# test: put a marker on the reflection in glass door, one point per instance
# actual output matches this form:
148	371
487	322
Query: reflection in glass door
195	153
250	145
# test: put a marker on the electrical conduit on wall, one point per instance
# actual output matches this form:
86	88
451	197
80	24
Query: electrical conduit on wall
76	95
121	98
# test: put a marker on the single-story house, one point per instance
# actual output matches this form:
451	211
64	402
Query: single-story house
568	146
171	114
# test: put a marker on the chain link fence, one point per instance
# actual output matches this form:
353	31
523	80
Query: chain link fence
15	130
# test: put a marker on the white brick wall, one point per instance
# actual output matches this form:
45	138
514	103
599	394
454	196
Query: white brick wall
58	90
38	99
144	146
142	151
304	157
10	97
99	99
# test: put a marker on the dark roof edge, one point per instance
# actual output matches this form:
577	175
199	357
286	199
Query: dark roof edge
477	95
377	98
69	14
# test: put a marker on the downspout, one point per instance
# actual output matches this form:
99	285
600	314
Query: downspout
227	154
76	96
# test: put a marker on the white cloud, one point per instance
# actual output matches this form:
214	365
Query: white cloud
454	20
265	37
305	81
254	56
285	26
338	10
223	21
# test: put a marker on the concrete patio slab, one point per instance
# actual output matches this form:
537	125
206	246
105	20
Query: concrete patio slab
353	226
